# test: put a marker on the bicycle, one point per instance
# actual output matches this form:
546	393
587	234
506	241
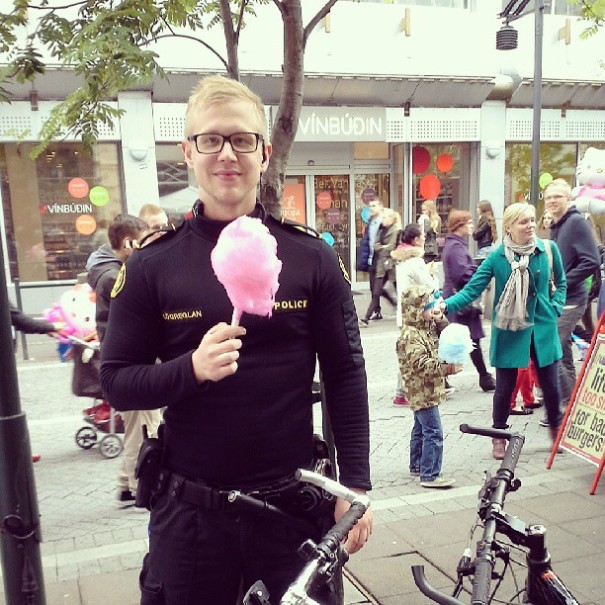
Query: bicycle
325	557
542	585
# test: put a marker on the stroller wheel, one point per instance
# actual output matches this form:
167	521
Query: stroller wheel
86	437
111	446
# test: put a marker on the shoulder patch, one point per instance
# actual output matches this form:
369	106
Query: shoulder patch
158	234
120	281
298	227
344	270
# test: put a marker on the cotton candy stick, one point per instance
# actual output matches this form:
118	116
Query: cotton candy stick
245	262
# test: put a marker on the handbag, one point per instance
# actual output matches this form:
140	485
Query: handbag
471	311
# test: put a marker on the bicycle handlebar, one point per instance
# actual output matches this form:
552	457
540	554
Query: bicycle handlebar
429	591
325	553
496	488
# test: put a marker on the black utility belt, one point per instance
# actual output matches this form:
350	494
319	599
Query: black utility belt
286	494
201	494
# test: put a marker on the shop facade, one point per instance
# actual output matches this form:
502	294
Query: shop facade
56	207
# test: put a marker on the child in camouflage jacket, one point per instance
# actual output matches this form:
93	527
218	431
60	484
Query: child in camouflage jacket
424	374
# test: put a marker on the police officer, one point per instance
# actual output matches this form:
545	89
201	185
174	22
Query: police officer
239	398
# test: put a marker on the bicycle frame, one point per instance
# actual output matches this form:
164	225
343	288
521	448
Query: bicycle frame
543	586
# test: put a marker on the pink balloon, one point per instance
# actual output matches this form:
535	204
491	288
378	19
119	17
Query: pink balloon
245	262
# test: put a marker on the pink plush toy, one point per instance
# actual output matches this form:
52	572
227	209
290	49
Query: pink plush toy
76	309
589	196
245	262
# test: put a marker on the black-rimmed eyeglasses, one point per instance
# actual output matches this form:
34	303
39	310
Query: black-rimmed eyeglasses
212	142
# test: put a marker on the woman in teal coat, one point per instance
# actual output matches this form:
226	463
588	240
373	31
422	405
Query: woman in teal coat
529	296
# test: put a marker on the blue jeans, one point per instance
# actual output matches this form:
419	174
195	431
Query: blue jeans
426	444
505	385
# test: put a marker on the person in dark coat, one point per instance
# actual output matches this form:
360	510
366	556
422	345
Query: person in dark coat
573	236
386	240
458	268
485	233
24	323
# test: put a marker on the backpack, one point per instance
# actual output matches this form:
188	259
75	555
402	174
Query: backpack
551	279
593	284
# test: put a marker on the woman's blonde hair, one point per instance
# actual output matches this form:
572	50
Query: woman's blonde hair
513	212
388	213
217	90
486	215
434	218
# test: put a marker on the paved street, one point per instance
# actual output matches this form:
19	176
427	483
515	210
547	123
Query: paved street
92	548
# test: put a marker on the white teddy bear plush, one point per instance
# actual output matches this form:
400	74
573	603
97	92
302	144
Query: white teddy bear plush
589	196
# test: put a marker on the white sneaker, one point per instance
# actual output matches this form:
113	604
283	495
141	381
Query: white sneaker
438	483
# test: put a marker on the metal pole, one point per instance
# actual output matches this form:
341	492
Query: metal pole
20	535
535	140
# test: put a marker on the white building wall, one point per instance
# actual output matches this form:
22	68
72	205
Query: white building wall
138	150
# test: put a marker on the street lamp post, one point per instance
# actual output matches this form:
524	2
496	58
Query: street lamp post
506	39
19	518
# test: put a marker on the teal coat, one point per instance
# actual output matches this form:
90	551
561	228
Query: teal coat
510	349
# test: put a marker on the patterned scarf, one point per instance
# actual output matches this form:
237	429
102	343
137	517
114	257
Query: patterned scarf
511	310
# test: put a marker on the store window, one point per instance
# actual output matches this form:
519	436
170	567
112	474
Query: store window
557	160
332	197
57	207
441	172
176	183
368	187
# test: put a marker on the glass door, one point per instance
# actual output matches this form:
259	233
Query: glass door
368	187
332	220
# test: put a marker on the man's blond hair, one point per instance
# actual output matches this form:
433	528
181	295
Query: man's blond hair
217	90
560	184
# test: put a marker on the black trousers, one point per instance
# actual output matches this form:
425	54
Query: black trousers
199	556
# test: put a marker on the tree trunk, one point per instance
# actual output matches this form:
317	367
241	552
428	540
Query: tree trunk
286	121
231	40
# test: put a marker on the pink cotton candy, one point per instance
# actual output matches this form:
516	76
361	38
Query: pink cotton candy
245	262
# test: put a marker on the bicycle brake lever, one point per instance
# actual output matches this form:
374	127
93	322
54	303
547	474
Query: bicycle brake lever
465	565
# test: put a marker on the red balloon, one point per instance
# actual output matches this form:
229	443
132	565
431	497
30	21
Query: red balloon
421	159
429	187
445	162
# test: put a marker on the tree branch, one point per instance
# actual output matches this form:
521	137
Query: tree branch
316	19
56	8
230	40
240	19
280	5
185	36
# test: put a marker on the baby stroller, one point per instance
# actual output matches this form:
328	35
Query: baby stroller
101	417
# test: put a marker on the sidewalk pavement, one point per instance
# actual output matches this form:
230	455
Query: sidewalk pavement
92	548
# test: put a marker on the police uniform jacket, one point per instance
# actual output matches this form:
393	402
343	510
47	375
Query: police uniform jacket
255	426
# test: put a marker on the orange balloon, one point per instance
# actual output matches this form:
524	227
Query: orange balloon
429	187
86	224
445	162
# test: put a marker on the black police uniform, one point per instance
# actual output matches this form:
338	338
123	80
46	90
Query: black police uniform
251	429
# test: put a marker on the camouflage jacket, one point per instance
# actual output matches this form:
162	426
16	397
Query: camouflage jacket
422	371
